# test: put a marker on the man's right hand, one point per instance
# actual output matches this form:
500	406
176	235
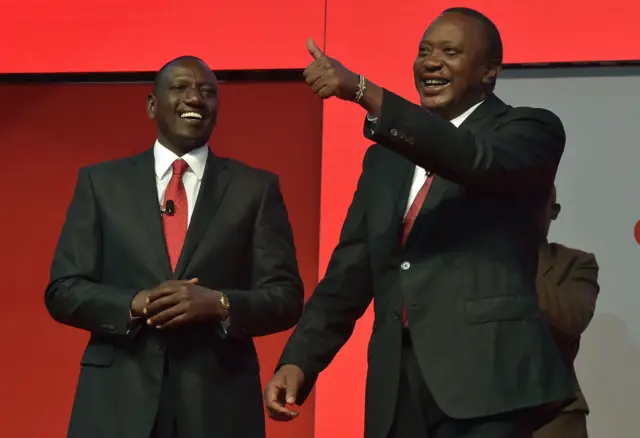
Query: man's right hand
140	301
282	390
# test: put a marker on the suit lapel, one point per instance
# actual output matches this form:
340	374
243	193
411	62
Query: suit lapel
487	111
212	189
146	194
402	178
435	194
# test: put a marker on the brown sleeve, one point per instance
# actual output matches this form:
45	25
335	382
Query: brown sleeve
569	302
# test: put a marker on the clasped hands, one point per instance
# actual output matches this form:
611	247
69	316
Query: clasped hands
175	303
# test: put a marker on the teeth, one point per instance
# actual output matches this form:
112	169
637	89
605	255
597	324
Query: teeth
435	81
191	115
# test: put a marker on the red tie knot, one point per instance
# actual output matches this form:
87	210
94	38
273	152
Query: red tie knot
179	167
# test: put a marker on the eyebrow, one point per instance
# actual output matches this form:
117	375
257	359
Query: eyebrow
444	42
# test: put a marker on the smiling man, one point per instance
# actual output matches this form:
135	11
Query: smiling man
442	234
173	260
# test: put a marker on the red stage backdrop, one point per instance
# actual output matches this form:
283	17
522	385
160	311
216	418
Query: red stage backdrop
140	35
48	132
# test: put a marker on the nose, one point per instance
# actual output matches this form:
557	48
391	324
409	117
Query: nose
193	96
433	63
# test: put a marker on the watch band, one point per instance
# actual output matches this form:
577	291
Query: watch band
224	302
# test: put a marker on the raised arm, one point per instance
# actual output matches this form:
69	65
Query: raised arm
523	151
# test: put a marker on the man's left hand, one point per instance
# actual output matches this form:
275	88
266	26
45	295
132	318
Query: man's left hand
189	303
328	77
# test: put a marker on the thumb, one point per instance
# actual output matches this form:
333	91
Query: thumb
292	391
193	281
313	49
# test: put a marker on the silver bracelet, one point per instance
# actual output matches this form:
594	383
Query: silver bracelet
362	87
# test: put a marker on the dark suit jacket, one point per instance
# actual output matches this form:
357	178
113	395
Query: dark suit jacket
466	273
567	292
112	246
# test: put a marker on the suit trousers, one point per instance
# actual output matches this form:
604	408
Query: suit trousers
166	423
418	416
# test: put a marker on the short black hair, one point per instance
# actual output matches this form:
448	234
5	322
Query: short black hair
491	32
164	68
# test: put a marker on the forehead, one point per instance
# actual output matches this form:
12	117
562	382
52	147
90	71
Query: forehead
455	27
191	70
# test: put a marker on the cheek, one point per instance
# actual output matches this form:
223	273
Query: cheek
417	64
213	106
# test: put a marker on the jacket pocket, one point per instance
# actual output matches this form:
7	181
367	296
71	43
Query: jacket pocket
501	308
100	355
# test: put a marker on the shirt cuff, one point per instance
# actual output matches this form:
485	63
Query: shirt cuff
225	325
372	119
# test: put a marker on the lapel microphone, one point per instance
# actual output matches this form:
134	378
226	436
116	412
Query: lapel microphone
169	209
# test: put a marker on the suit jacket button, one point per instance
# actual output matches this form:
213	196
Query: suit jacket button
405	266
396	315
394	132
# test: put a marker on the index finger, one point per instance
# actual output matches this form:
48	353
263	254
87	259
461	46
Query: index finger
169	288
313	49
165	291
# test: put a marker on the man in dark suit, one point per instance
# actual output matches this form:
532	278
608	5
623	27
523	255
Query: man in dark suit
442	234
567	292
172	301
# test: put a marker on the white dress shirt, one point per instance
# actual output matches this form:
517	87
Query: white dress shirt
420	174
192	178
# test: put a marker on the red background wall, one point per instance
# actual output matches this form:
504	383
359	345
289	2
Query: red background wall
48	132
140	35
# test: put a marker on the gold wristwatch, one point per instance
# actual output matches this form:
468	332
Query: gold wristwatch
224	302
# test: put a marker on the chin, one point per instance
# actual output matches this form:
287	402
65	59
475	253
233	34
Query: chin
435	103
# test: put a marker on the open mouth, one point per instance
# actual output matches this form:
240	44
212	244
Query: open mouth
435	84
192	117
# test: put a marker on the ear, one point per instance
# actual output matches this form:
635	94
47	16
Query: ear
151	106
493	71
555	211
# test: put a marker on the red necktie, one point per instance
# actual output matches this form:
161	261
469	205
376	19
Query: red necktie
410	219
175	224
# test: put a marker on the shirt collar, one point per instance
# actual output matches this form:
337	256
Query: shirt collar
462	117
164	158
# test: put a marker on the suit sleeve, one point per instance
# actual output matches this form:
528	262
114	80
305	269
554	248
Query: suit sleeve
523	151
75	295
274	302
569	305
339	300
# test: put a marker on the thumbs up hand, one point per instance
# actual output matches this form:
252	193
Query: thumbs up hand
328	77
